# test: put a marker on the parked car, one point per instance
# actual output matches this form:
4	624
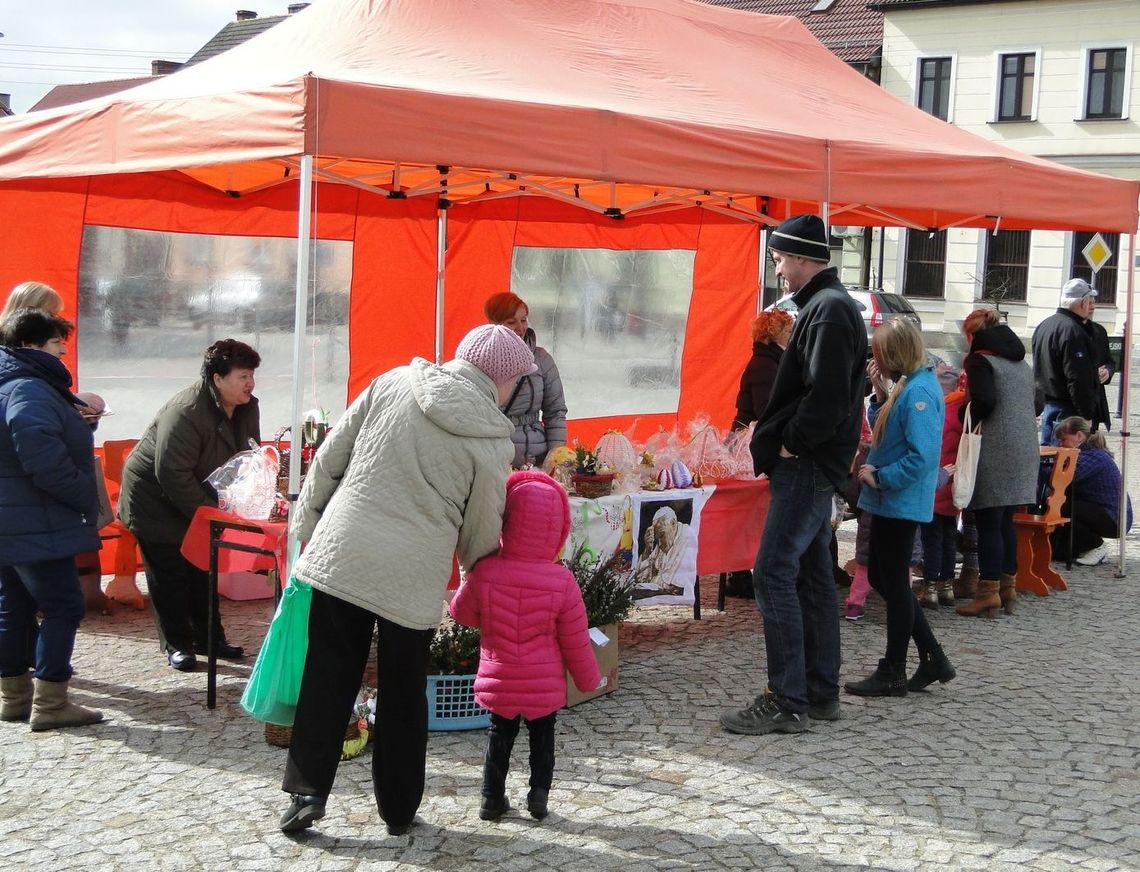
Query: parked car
876	307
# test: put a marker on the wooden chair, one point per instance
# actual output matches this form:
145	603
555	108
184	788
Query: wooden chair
122	587
1034	549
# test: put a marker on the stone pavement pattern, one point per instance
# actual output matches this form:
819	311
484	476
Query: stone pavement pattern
1029	760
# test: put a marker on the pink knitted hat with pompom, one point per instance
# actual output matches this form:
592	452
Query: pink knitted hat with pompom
498	351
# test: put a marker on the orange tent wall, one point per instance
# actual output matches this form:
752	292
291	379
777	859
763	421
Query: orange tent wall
481	240
392	307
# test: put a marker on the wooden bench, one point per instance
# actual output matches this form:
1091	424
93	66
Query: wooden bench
1034	549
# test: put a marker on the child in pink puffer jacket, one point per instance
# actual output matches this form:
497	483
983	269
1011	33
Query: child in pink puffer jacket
532	629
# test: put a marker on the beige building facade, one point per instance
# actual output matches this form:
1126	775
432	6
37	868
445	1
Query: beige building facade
1059	79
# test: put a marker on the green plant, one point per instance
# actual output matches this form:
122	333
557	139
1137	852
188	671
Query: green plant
585	461
607	585
454	649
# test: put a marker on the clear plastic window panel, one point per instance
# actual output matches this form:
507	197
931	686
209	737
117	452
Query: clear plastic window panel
151	303
614	321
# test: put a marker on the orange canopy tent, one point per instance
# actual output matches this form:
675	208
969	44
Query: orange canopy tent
674	116
666	99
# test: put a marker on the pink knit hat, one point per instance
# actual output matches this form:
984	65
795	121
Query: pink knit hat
498	351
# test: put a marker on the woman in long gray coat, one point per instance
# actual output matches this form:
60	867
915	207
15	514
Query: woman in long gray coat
537	405
1000	395
414	472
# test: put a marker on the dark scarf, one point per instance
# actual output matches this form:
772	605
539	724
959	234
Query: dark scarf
39	364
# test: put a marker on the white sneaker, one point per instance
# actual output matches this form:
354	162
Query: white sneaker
1094	557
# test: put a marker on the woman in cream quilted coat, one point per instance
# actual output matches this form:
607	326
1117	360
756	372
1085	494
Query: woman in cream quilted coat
413	473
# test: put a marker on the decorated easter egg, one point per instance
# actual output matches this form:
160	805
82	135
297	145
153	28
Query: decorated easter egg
681	475
665	479
615	450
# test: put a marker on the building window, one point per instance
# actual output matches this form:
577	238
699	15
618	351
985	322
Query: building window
1105	281
1007	266
925	274
1104	97
934	86
1016	74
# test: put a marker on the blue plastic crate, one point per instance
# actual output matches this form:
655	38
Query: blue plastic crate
452	706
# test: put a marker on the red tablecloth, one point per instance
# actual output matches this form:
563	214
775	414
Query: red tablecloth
196	544
732	522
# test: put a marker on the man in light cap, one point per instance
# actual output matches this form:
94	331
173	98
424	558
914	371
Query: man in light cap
1064	365
805	441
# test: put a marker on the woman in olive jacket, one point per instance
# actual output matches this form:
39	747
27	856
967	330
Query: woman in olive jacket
164	483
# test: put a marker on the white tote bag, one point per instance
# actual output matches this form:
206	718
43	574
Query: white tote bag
966	466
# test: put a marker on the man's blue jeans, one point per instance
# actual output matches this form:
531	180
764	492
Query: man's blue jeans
52	588
795	588
1050	418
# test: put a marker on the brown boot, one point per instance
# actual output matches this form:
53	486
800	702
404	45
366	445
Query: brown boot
966	584
51	710
986	602
16	697
928	595
1008	592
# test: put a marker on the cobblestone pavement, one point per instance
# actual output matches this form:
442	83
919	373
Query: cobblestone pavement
1029	760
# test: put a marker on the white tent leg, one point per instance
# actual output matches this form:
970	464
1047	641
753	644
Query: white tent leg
300	325
763	266
1125	378
440	254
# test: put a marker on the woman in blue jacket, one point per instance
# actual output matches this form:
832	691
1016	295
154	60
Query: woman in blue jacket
899	480
48	512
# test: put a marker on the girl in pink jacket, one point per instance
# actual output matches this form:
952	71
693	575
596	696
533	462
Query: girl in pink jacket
532	629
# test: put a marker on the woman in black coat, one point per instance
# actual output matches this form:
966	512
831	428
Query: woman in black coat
770	332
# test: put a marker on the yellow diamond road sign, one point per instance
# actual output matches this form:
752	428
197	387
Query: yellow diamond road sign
1097	252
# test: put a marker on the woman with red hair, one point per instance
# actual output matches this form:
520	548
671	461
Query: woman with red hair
770	332
537	407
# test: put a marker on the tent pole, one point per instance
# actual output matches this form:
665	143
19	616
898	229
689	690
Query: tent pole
440	253
762	285
882	245
1125	378
300	313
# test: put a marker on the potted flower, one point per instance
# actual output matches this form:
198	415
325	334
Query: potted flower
592	478
607	592
453	660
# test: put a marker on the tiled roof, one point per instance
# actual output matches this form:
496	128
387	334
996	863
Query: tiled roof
65	95
903	4
234	33
849	28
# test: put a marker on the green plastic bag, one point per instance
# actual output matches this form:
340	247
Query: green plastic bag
275	683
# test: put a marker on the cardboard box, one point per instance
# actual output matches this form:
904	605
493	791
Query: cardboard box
244	585
607	656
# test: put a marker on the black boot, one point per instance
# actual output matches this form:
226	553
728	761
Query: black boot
886	680
536	803
932	666
542	763
500	743
740	584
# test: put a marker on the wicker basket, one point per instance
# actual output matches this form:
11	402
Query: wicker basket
282	737
593	486
452	706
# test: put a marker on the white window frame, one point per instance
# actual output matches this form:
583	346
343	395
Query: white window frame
995	97
1088	48
916	78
